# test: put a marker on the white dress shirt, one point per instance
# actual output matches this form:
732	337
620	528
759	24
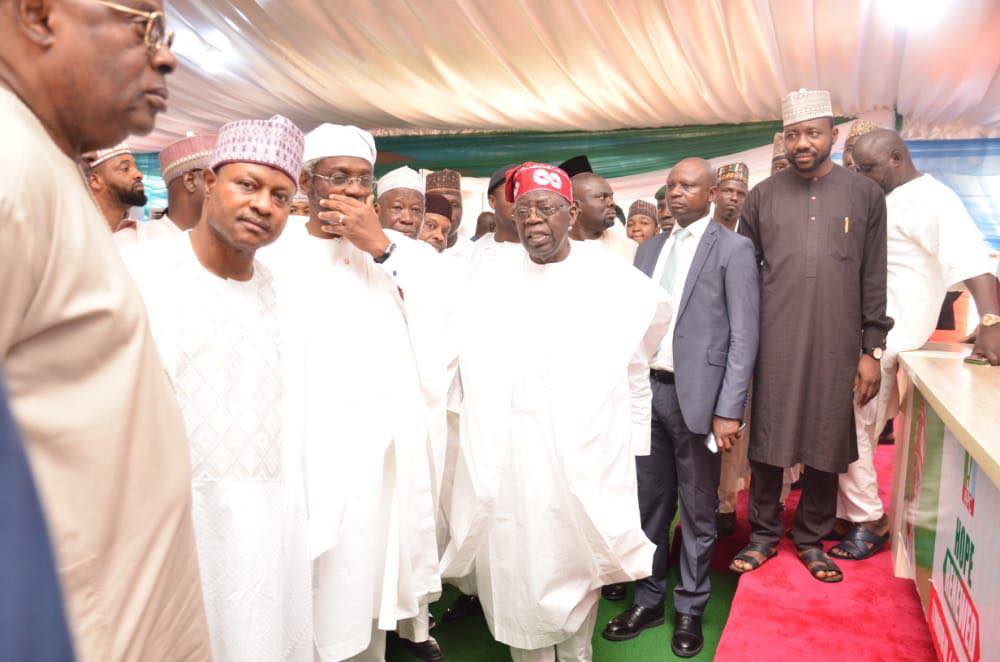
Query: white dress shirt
664	359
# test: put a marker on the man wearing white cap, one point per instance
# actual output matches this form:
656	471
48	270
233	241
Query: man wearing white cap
401	201
820	235
214	315
353	311
116	183
182	165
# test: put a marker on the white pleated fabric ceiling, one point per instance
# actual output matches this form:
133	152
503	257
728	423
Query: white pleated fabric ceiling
554	65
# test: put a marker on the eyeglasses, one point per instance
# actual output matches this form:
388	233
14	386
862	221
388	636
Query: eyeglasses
339	180
156	35
544	211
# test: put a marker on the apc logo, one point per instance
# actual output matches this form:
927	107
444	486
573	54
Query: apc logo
969	475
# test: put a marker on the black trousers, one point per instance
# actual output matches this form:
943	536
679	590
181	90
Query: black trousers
679	465
814	517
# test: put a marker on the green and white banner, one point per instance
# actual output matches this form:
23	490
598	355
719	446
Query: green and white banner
952	533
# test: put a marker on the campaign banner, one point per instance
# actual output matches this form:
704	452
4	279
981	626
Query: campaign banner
964	593
921	492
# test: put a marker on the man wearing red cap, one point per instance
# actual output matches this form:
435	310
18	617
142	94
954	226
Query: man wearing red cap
182	165
545	499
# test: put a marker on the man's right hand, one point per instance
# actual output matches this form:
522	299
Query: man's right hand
727	432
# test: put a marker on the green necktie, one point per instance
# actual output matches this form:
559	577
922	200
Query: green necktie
669	278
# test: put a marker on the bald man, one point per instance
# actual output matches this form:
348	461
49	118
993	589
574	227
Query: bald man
596	202
700	377
859	127
933	244
485	224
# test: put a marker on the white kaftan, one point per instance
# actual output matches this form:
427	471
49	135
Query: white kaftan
100	424
545	506
932	244
219	340
359	405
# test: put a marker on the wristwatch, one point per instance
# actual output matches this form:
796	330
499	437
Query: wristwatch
989	319
385	256
875	353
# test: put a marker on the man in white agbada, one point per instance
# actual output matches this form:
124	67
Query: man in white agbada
182	165
501	244
214	315
401	201
354	310
933	244
503	239
545	505
597	222
448	183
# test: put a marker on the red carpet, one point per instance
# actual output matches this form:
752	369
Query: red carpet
781	613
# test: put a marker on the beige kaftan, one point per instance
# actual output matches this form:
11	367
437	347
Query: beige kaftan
100	422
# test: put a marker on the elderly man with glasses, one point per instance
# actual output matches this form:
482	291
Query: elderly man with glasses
100	423
357	331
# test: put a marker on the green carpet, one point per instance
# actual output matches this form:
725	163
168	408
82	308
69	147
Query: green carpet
470	640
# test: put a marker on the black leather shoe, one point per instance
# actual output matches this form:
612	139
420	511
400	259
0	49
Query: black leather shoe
630	623
687	640
613	592
725	524
424	650
463	607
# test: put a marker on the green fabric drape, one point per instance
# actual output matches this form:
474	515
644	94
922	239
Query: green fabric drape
612	153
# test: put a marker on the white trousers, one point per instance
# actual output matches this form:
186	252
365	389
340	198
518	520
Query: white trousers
376	649
578	648
418	628
857	497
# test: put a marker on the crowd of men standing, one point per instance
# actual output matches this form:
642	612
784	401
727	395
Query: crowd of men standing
263	435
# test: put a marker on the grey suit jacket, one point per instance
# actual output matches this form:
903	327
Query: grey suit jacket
717	327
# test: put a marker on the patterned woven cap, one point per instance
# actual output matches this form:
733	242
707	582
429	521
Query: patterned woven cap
804	105
102	155
860	127
275	142
737	171
779	147
191	153
644	208
443	180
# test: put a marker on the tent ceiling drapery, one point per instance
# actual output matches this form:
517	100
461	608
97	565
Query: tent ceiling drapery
576	64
